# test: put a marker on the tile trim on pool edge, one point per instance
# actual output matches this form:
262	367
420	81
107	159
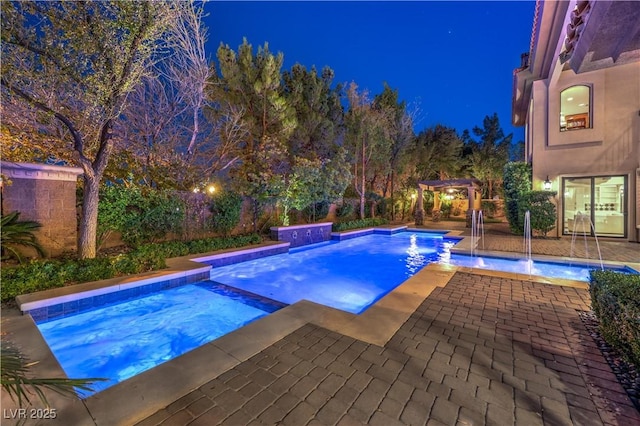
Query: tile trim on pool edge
185	270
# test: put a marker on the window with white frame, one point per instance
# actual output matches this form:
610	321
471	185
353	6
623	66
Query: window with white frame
575	108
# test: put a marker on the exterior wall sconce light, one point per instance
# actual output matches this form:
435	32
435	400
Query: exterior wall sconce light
547	184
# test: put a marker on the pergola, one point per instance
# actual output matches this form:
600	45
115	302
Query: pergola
448	185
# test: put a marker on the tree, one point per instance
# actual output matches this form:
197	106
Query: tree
163	139
400	132
491	153
252	83
365	137
75	63
439	151
319	115
315	146
151	142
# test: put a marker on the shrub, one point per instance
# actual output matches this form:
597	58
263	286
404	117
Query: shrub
489	208
15	232
516	183
226	209
542	210
43	275
615	301
344	210
142	215
445	210
360	223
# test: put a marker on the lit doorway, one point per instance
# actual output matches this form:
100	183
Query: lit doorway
597	201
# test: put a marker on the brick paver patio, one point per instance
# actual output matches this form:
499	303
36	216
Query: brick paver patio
481	350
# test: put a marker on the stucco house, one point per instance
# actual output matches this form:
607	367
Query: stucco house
577	92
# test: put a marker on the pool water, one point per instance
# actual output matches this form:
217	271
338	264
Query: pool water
124	339
349	275
531	267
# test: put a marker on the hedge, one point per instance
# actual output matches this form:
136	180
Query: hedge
360	223
615	299
45	274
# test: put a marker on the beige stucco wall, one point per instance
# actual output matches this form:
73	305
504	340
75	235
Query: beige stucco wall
612	146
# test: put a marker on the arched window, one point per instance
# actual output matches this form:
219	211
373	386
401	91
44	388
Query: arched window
575	109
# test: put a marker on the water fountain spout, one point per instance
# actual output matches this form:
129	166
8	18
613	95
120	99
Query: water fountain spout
477	230
473	232
582	220
527	239
481	226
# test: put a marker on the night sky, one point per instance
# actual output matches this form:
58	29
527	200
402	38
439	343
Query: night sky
455	59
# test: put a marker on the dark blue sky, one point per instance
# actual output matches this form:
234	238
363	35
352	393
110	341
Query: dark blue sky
454	59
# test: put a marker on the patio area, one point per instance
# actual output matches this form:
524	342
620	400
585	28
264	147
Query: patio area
449	346
481	349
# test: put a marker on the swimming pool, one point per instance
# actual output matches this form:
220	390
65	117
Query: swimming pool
126	338
576	272
349	275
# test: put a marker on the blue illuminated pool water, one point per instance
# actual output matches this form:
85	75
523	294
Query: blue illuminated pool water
349	275
124	339
567	271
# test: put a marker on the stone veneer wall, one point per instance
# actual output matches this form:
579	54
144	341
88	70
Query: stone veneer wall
46	194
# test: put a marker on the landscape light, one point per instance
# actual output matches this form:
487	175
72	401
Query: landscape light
211	189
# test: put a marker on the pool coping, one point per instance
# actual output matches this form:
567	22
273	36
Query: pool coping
188	267
140	396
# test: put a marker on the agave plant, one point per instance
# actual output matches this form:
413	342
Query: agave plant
14	378
18	233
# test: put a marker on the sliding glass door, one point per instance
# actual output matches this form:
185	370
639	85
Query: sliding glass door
595	205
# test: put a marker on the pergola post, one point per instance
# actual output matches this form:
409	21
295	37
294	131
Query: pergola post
419	216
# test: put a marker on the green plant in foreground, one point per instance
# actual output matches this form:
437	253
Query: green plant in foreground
14	378
14	232
616	303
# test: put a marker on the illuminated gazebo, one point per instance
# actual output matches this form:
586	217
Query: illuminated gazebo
472	186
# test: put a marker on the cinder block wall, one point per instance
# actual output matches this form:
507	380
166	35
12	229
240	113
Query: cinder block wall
46	194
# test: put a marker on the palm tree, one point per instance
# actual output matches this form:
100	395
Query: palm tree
18	233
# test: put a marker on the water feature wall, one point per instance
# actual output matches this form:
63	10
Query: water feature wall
300	235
